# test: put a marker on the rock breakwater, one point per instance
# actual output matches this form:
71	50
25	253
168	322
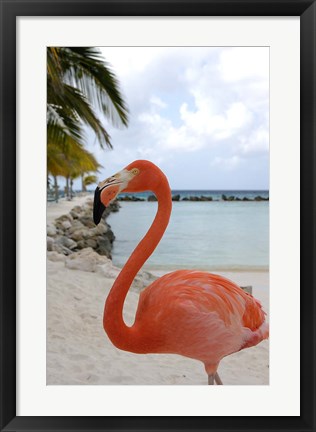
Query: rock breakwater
178	197
76	230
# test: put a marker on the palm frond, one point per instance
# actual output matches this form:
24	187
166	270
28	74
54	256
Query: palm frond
86	69
79	107
61	126
79	84
70	159
89	180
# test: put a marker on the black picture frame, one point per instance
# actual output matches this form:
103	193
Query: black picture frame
306	10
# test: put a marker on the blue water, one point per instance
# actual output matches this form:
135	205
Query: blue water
214	235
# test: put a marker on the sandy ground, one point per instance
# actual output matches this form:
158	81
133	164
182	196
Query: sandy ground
79	351
54	210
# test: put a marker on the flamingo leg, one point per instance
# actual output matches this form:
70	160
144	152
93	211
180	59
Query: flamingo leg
218	380
214	379
211	379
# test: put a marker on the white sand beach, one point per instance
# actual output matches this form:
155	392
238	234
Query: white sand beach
54	210
79	351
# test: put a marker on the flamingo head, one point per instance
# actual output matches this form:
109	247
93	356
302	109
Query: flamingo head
138	176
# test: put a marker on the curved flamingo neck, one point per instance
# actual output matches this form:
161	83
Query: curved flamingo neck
121	335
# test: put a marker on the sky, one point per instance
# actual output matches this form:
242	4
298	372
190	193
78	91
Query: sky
200	113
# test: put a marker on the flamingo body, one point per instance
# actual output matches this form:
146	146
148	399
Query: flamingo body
196	314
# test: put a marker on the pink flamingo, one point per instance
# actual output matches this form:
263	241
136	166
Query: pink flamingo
192	313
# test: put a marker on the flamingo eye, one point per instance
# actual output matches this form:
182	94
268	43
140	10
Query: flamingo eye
135	171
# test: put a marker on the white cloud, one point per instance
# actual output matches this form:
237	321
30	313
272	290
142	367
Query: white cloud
128	61
188	100
157	102
228	163
244	63
198	129
257	142
216	126
165	137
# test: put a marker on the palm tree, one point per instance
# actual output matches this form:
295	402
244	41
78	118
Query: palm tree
88	180
82	162
78	79
70	161
80	84
56	164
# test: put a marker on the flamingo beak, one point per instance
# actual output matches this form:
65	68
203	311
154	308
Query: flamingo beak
98	206
104	194
107	191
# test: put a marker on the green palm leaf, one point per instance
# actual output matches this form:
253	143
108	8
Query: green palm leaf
78	79
80	84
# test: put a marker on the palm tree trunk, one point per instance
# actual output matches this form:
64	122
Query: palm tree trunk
56	188
67	188
83	186
71	191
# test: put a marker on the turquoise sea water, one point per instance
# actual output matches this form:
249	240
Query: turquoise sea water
216	235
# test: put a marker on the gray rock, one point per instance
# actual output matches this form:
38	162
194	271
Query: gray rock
74	214
77	232
76	224
67	242
100	229
64	217
58	247
66	224
51	230
142	280
50	243
129	198
55	256
80	234
247	289
81	244
77	209
87	221
91	243
152	198
110	235
113	207
260	198
104	246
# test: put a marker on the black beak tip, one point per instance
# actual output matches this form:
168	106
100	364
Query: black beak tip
96	219
98	207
